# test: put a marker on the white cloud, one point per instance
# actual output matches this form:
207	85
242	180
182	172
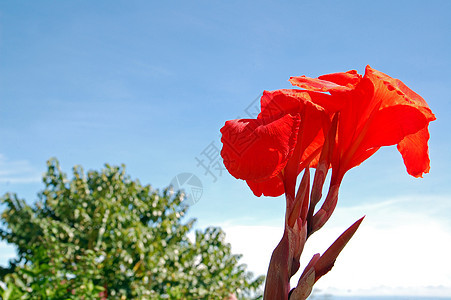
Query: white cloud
255	243
18	171
401	248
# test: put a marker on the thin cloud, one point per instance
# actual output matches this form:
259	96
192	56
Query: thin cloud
396	251
17	171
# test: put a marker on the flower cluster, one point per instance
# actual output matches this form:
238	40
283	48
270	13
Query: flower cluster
334	123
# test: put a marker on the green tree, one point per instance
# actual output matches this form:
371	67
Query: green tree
102	234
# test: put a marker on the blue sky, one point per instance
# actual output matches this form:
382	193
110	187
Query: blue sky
149	84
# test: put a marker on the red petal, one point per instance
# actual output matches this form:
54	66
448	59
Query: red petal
414	151
335	82
318	85
314	109
348	79
402	119
382	111
359	105
362	156
254	150
392	124
275	104
312	152
404	95
272	187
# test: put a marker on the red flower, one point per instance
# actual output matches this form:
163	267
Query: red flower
258	150
374	111
340	121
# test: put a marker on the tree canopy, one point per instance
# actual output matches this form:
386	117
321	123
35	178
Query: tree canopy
103	235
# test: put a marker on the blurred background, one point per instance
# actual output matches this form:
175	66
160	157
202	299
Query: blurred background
149	84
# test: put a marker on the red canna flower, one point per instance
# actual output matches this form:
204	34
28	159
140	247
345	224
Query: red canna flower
337	122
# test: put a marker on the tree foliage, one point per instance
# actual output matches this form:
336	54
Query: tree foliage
104	235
